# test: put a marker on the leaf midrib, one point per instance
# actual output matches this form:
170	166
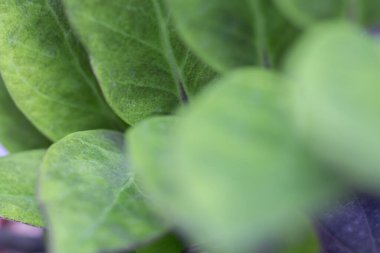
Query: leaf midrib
260	32
176	70
107	210
91	84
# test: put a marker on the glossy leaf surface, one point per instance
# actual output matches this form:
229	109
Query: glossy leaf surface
18	187
46	70
142	66
87	185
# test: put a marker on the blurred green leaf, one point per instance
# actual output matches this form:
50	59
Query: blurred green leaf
307	12
307	242
167	244
46	70
18	180
142	66
335	75
16	132
149	152
227	34
92	201
231	172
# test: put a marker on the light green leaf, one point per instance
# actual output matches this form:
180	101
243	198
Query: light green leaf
149	148
307	12
46	70
335	75
234	173
18	181
16	132
227	34
142	66
167	244
91	198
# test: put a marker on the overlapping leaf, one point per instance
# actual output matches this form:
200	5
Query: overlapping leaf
16	132
227	34
91	198
150	156
335	77
142	66
46	70
18	174
235	172
307	12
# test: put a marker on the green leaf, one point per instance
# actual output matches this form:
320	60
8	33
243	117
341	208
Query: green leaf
46	70
335	79
307	242
231	172
227	34
18	180
149	152
167	244
16	132
307	12
142	66
91	198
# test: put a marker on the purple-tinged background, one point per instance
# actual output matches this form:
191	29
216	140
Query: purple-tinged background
3	151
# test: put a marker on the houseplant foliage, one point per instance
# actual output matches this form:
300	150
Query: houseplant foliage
188	126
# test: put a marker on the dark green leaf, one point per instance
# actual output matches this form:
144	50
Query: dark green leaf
142	66
235	172
91	198
18	180
335	75
16	132
46	70
227	34
167	244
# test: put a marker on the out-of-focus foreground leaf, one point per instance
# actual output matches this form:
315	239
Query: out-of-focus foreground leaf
16	132
228	34
142	66
18	174
151	158
46	70
307	12
352	226
233	173
86	184
335	75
